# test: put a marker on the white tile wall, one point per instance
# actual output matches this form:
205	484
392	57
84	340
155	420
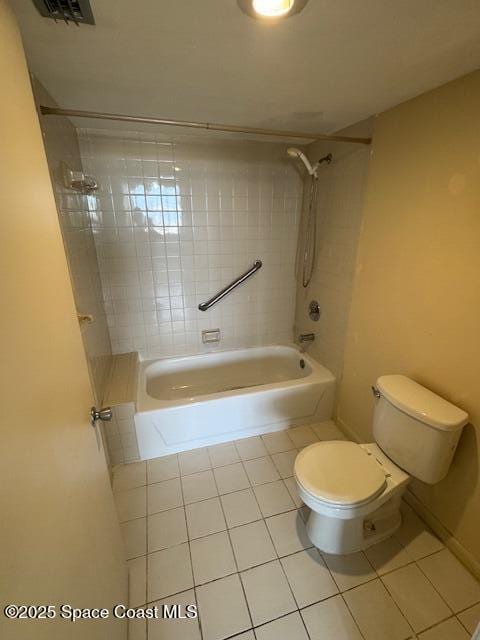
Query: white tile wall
340	202
175	222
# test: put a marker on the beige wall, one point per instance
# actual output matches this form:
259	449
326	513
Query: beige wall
416	299
339	213
61	145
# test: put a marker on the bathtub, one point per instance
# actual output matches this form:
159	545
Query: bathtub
189	402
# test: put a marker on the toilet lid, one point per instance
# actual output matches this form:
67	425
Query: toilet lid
339	472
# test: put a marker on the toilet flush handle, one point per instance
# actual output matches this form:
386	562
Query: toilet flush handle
376	392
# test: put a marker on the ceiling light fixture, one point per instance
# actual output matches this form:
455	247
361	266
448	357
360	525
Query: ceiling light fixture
271	10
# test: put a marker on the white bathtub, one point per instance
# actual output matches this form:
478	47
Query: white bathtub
189	402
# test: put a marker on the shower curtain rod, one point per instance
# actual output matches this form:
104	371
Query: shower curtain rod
76	113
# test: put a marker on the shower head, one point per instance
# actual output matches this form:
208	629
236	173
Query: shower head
296	153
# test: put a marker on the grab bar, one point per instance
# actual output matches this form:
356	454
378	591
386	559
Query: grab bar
233	285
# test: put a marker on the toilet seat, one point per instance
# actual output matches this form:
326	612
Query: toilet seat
339	473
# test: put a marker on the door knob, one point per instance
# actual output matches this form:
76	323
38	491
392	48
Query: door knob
105	414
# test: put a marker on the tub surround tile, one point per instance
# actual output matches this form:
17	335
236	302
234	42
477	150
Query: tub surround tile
240	508
134	534
212	558
194	461
250	448
252	545
416	598
169	571
199	486
376	614
137	630
277	442
175	629
166	529
350	570
223	454
288	533
290	627
309	577
223	608
164	495
205	518
267	591
231	478
261	470
450	578
160	469
273	498
330	619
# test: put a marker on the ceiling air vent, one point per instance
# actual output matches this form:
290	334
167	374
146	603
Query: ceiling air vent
77	11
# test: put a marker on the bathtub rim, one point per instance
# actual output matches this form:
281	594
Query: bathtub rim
144	403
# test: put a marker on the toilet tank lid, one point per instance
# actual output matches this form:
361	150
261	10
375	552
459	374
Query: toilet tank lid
421	403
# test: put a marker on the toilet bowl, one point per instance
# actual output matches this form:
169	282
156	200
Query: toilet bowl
354	490
354	494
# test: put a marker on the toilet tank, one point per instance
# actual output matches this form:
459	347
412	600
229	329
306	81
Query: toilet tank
416	428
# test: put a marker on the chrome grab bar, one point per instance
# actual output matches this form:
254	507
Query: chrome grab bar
233	285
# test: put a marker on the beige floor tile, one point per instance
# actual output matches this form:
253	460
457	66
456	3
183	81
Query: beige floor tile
231	478
261	470
205	518
273	498
166	529
240	508
284	462
454	583
164	468
292	488
330	620
387	556
288	533
164	495
199	486
134	533
277	442
222	608
448	630
376	614
328	430
309	577
302	436
194	461
129	476
289	627
137	582
268	593
212	557
248	635
470	618
223	454
169	571
175	629
131	504
249	448
416	598
252	545
349	570
415	536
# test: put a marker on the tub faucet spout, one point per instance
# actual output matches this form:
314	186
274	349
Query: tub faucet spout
304	339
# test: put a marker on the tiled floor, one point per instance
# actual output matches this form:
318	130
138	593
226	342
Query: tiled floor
223	528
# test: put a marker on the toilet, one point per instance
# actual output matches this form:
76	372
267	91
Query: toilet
354	490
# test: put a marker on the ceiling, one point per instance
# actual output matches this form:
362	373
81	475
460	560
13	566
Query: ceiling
336	63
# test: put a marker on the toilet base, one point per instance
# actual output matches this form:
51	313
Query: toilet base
342	536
